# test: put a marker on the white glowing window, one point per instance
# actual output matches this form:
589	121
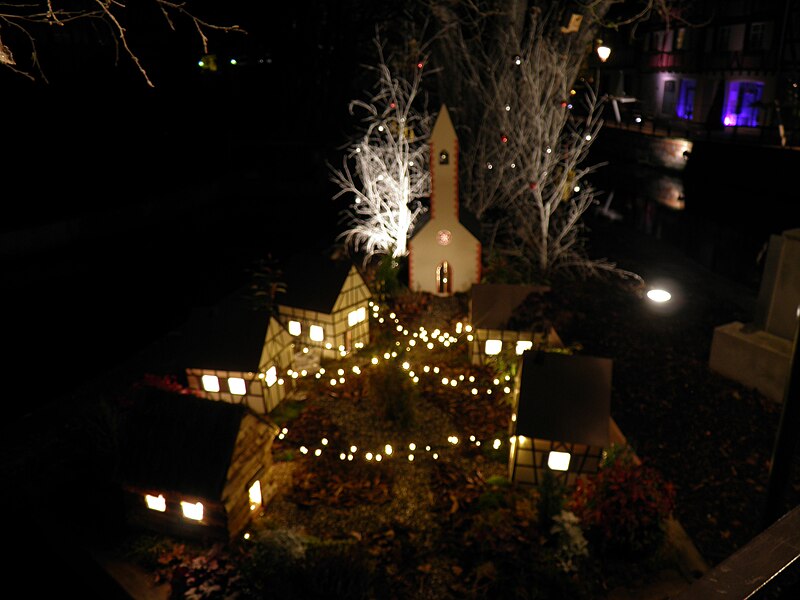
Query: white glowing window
295	328
211	383
192	511
254	493
356	316
237	386
522	346
272	376
156	502
493	347
558	461
316	333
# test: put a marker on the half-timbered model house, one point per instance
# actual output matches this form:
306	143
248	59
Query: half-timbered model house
325	307
193	467
504	319
238	352
444	253
562	417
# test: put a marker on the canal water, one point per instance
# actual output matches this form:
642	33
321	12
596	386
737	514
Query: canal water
719	202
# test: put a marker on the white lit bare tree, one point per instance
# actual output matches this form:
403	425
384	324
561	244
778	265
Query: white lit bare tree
526	133
385	169
21	24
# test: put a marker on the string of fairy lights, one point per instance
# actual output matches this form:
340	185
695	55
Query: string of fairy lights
415	341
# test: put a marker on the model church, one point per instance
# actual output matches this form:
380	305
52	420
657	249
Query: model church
444	255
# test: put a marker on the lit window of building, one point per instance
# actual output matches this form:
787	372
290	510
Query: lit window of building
157	503
237	386
493	347
211	383
193	511
271	376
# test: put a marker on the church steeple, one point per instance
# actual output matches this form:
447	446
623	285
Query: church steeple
444	169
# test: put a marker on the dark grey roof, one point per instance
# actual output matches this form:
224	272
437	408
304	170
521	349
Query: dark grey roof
313	281
227	336
178	442
465	217
492	305
565	398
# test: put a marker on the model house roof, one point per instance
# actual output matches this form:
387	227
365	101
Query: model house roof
564	398
313	281
178	442
465	217
229	335
493	305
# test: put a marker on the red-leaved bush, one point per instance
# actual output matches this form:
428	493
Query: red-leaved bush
624	507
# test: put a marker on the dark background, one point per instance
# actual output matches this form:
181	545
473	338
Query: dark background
126	206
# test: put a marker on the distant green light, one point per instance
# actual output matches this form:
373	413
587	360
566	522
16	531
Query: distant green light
233	61
200	63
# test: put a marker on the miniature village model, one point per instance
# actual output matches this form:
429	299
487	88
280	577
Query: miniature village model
206	477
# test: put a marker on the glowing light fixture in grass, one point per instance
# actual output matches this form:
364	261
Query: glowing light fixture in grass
658	295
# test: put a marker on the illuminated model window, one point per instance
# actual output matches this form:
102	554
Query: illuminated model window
254	494
558	461
192	511
295	328
316	333
522	346
493	347
211	383
237	386
156	502
272	376
356	316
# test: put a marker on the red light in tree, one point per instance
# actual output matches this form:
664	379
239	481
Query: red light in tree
563	105
504	139
534	185
392	105
420	64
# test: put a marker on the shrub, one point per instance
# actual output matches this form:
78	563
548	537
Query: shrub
392	389
625	506
571	545
551	500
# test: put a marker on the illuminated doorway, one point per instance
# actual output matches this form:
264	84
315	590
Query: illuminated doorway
444	278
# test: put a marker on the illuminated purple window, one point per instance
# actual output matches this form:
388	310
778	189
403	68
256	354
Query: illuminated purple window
741	104
685	108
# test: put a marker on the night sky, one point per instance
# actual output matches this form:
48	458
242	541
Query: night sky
174	190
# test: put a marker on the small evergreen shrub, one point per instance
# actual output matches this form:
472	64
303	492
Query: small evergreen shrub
625	506
394	392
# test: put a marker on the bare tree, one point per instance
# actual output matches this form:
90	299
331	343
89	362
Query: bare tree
526	130
389	172
21	22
